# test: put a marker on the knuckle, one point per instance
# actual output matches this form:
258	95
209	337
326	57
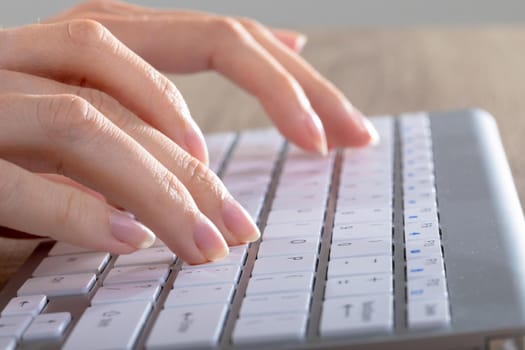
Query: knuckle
10	184
86	33
198	175
229	28
250	24
105	104
68	118
67	209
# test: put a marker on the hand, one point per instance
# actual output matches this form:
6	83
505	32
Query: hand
76	101
305	107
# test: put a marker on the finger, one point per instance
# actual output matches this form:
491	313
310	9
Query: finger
65	213
293	40
66	135
69	182
222	44
344	124
83	52
210	195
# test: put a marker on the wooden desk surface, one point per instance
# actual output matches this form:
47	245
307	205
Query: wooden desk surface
382	71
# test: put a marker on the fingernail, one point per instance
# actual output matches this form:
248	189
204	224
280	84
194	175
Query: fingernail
129	231
300	42
238	221
196	145
372	131
209	240
317	134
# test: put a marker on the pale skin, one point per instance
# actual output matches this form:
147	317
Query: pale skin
88	125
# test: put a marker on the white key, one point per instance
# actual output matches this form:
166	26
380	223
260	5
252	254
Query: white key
257	305
7	343
358	285
302	199
360	266
198	295
363	215
62	248
292	215
27	305
421	230
14	326
188	327
428	314
278	328
368	230
127	292
290	246
235	257
426	213
286	263
422	248
430	288
369	200
130	274
149	256
361	247
210	275
47	326
292	229
74	263
110	326
357	315
58	285
429	266
278	283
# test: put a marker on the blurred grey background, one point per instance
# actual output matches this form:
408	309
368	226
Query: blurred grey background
313	13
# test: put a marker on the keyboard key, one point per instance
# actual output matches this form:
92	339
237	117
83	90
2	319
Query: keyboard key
196	326
430	288
358	285
288	246
131	274
148	256
294	215
58	285
292	229
257	305
362	247
211	275
287	263
343	232
112	326
278	283
275	328
26	305
73	263
422	249
360	266
363	215
198	295
48	326
429	266
421	230
126	292
428	314
7	343
14	326
62	248
357	315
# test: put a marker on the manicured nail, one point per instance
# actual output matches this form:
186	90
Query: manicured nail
317	134
238	221
195	143
372	131
300	42
129	231
209	240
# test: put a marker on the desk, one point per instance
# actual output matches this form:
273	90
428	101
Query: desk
383	71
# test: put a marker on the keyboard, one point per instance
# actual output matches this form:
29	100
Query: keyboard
411	243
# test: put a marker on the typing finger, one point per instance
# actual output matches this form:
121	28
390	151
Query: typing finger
207	190
83	52
66	135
